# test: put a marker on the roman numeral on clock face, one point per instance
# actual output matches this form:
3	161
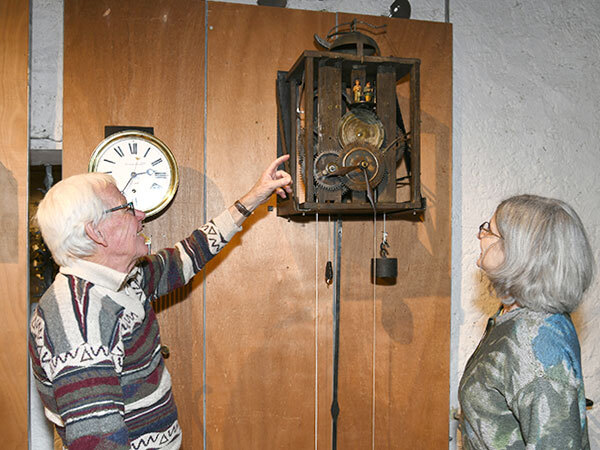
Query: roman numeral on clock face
144	166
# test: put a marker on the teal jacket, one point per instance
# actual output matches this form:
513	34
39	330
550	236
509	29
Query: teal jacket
523	386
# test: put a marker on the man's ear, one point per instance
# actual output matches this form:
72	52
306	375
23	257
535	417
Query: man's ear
95	234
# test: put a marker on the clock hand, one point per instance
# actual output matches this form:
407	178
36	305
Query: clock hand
133	175
155	173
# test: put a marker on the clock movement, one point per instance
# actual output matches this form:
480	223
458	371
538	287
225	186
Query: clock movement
340	120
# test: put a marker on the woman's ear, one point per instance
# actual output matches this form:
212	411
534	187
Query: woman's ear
94	233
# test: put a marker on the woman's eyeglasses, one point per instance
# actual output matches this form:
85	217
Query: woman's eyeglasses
485	230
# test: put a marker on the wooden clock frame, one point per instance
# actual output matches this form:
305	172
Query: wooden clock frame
329	76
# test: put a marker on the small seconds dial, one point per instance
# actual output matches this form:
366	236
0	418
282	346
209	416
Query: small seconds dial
143	167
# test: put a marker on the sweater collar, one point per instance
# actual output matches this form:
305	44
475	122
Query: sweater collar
98	274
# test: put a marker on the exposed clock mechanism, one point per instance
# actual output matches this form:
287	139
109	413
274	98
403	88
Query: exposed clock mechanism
341	122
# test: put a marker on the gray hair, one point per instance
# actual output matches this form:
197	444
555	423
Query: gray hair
65	210
548	261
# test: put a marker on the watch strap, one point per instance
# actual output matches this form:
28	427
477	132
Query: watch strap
242	209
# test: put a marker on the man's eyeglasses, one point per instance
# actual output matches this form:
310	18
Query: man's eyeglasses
128	206
485	230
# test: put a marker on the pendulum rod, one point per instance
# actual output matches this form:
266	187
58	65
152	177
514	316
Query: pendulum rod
335	407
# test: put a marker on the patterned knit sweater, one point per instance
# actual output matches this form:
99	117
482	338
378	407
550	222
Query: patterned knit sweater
523	387
95	347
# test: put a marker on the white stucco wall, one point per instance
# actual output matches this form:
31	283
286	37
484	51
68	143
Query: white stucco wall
526	110
526	120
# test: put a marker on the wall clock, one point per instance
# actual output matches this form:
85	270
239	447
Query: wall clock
340	120
143	167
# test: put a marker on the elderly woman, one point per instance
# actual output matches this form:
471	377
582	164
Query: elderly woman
94	339
523	385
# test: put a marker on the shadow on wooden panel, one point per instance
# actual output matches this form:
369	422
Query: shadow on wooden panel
9	216
425	249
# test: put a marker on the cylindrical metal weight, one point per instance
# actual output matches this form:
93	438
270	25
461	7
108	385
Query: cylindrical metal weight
385	267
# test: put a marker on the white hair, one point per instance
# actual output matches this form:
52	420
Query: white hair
548	261
65	210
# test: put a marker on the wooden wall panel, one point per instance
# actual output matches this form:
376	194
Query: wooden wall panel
268	311
412	318
143	65
261	299
14	37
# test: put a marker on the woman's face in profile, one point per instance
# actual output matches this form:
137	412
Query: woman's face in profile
492	254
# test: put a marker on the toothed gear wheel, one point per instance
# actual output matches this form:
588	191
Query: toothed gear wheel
326	163
358	155
301	159
300	156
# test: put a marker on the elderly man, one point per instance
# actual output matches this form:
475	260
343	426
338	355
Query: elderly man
94	338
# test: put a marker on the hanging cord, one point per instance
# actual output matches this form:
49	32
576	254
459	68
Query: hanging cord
329	266
383	248
374	344
316	326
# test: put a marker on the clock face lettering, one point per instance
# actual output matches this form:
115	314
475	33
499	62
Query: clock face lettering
148	178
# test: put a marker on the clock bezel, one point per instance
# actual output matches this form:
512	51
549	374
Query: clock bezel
111	140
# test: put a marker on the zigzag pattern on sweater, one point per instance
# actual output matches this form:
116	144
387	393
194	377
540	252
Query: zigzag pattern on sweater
213	237
152	440
83	356
96	356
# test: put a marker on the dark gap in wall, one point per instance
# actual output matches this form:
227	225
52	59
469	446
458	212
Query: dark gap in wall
42	268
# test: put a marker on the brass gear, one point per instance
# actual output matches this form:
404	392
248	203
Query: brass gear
361	125
362	155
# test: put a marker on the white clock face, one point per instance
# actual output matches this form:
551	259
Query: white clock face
142	166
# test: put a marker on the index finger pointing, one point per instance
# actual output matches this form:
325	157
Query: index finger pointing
277	163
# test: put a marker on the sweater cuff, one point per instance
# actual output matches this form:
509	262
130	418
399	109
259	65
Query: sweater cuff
224	222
